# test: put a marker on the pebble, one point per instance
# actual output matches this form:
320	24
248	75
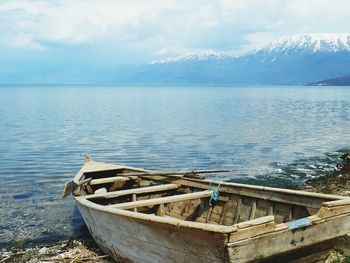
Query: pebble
43	251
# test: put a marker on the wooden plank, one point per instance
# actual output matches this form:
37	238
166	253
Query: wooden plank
88	187
141	190
312	201
103	209
257	221
294	197
337	203
163	200
208	215
271	209
178	173
285	240
290	215
223	212
98	166
253	228
136	240
160	211
252	211
184	208
237	211
326	212
112	179
117	185
134	199
315	253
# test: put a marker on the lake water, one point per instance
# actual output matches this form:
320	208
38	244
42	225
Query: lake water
271	135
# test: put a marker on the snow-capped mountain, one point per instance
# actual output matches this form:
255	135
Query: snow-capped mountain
298	43
297	59
308	43
194	56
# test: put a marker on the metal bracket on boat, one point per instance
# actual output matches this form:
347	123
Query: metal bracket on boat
70	186
299	223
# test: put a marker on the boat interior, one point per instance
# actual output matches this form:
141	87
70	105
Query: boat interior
192	199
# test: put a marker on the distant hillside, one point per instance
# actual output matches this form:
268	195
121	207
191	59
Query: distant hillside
298	59
339	81
294	60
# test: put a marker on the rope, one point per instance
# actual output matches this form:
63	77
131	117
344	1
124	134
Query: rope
214	196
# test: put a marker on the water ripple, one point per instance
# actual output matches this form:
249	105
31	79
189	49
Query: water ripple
268	135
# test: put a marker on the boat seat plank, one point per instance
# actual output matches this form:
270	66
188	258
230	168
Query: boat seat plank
163	200
112	179
141	190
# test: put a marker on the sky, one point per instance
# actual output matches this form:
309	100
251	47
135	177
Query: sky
72	35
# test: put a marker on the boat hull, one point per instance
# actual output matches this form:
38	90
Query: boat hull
135	240
265	224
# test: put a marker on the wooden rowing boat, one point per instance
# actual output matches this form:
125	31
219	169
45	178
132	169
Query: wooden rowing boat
144	216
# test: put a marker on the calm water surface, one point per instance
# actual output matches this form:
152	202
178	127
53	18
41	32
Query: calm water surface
271	135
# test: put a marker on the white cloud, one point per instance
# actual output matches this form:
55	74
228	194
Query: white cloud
25	41
166	27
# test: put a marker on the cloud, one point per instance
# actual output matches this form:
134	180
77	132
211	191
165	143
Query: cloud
135	30
24	41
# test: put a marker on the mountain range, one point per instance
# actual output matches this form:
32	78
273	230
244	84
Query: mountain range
315	59
294	60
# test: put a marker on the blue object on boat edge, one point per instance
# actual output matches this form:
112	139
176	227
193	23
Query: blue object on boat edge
299	223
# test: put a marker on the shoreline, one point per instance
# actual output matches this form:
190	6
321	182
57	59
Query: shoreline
84	249
338	183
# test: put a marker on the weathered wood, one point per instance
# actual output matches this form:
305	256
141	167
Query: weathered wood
153	218
316	253
190	173
286	239
187	203
257	221
326	212
112	180
337	203
129	239
312	200
117	185
149	189
252	212
223	212
88	187
163	238
134	199
237	211
290	215
270	210
163	200
160	210
253	228
208	215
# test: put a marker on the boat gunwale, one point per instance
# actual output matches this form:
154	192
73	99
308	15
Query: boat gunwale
83	170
